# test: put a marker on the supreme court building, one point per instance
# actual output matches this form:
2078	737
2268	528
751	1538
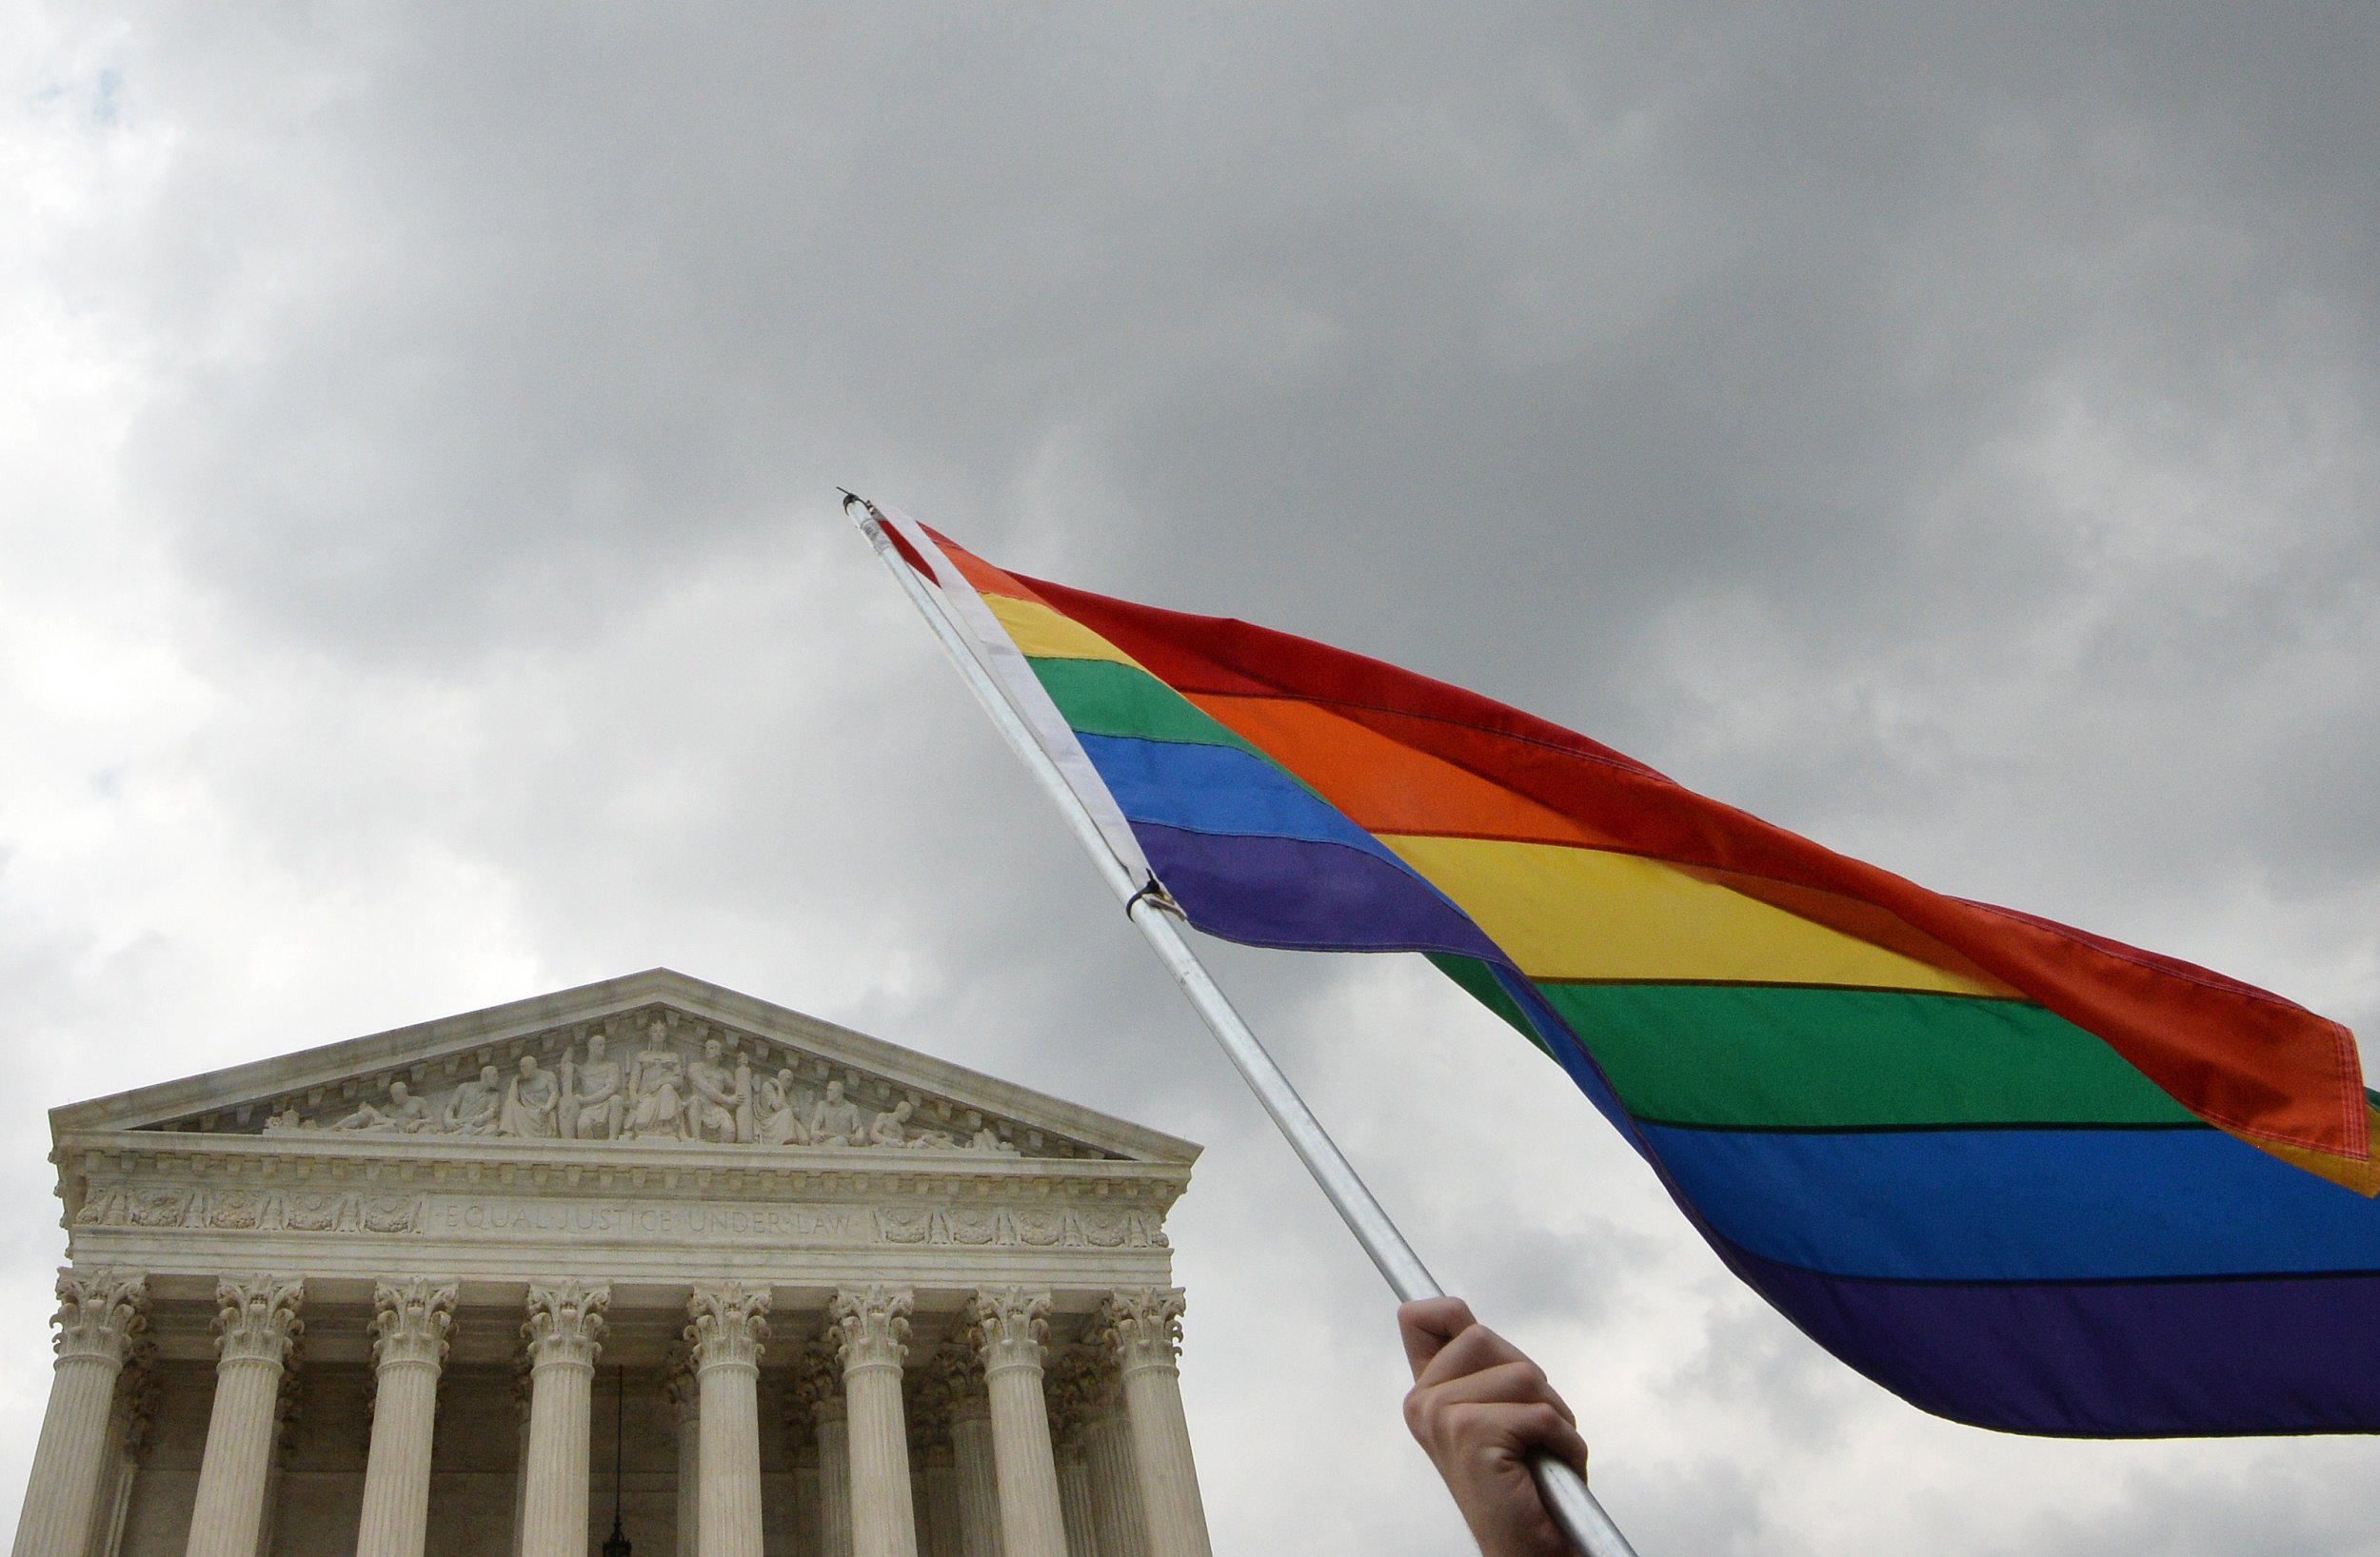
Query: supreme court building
765	1286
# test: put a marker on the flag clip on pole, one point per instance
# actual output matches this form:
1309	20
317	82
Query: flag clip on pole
1567	1497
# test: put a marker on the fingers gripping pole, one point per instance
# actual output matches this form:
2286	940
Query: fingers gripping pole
1152	913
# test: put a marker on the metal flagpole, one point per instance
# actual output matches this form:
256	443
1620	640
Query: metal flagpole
1573	1507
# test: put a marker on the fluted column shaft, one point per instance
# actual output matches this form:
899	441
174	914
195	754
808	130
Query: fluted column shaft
871	1327
942	1504
1009	1325
1121	1523
729	1324
522	1386
686	1414
99	1314
806	1520
978	1465
128	1435
256	1322
109	1492
1144	1327
834	1480
410	1321
1074	1504
565	1334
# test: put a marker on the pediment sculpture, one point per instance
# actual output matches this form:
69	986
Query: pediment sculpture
653	1091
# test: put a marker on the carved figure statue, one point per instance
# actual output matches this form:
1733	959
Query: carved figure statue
286	1119
657	1091
597	1103
532	1103
986	1140
404	1113
835	1119
718	1096
887	1130
779	1121
477	1107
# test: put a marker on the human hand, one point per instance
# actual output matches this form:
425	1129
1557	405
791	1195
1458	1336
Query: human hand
1478	1407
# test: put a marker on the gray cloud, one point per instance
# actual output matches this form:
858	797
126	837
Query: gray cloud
1951	433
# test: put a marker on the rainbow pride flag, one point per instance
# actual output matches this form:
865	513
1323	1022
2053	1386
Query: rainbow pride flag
2018	1174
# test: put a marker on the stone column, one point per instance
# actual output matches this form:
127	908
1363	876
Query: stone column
870	1328
1144	1328
942	1503
128	1437
686	1416
256	1323
100	1313
1008	1324
806	1510
730	1324
565	1334
1074	1502
934	1483
834	1480
978	1465
521	1395
1073	1383
410	1320
822	1481
288	1406
1123	1524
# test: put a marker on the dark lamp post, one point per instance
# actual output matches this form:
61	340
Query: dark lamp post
616	1544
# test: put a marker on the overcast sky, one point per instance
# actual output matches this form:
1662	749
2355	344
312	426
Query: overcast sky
1951	431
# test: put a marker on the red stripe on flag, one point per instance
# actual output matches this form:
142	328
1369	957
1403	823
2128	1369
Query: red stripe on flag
2234	1054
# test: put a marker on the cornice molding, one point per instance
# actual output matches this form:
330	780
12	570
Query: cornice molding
447	1048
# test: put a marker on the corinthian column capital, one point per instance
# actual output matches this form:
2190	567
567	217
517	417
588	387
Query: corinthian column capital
136	1397
1079	1384
1142	1326
100	1313
411	1320
684	1391
1008	1324
925	1410
729	1322
870	1327
814	1393
256	1318
955	1372
566	1322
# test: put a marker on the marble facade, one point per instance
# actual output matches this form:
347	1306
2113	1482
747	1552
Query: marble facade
403	1294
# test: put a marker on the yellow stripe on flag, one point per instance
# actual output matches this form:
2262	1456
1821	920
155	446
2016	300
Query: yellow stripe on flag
1564	911
1042	633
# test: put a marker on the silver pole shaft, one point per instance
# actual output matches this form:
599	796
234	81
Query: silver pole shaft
1565	1491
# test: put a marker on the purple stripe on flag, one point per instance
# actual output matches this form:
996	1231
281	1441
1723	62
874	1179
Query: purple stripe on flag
1303	895
2151	1359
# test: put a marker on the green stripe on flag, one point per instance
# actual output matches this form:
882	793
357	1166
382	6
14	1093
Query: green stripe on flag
1102	697
1759	1056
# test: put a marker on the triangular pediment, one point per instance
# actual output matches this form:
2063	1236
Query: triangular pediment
656	1060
